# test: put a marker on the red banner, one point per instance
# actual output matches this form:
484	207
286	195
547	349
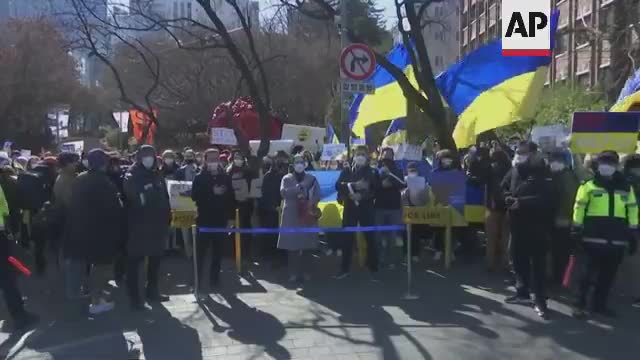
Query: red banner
140	121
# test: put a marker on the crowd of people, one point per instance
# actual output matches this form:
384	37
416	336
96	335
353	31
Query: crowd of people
100	215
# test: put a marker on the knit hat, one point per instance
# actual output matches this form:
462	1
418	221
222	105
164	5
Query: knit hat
98	159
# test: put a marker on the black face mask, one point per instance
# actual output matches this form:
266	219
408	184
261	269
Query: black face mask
190	161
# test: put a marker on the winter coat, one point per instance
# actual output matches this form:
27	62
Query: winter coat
271	197
495	193
292	212
390	198
187	173
352	175
148	211
565	185
94	221
213	210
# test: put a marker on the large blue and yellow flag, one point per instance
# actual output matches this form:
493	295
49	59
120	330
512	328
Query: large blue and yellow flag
487	90
332	138
388	102
629	95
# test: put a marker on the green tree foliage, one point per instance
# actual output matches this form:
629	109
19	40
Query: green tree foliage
557	107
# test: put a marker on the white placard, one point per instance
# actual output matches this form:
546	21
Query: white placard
73	146
331	151
310	137
223	136
274	146
407	152
122	118
549	137
25	153
180	195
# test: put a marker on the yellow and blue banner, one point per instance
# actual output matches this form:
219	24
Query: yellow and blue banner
594	132
332	138
396	133
388	102
629	95
487	90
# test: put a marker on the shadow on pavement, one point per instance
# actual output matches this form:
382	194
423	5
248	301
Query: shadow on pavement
249	325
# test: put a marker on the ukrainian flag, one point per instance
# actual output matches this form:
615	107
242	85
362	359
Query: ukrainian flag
396	133
388	103
629	95
487	90
332	138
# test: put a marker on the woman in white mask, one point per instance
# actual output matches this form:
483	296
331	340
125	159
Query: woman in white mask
301	194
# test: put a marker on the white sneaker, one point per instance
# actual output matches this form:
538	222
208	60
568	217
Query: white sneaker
101	307
329	252
437	256
339	253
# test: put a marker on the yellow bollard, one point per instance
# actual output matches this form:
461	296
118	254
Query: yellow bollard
238	244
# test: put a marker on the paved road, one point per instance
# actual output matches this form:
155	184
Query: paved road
460	315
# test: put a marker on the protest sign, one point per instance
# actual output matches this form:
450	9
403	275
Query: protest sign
180	195
274	146
223	136
594	132
331	151
549	137
73	146
449	188
310	137
25	153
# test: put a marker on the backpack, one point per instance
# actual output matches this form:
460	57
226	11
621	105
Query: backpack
33	191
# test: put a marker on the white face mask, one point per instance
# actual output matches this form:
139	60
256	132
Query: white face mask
298	167
85	163
147	161
238	162
412	174
447	162
360	160
606	170
169	161
556	166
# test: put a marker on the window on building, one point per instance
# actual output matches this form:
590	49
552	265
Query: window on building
457	35
182	10
189	13
443	36
175	10
562	44
584	80
582	36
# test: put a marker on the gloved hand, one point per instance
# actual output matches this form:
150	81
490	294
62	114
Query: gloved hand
575	238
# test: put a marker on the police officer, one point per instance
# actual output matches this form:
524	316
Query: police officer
605	220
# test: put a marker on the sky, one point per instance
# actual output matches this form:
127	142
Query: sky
266	6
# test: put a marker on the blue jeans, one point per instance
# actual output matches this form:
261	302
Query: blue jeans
390	250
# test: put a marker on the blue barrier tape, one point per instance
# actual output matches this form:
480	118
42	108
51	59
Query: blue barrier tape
303	230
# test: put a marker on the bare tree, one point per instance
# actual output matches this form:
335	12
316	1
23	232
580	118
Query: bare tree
412	19
36	73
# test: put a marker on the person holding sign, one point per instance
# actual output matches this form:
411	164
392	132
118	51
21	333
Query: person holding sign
301	194
356	188
389	208
241	177
213	194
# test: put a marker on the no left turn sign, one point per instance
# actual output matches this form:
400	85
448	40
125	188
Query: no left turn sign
357	62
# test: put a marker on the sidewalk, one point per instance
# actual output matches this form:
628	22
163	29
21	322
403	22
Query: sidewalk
460	315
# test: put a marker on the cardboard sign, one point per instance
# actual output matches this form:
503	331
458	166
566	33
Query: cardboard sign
407	152
312	138
180	195
332	151
73	146
223	136
549	137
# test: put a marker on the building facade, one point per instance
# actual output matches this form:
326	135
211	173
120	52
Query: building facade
579	56
442	34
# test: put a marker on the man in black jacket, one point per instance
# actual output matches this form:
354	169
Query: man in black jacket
529	222
357	186
213	194
268	204
388	204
